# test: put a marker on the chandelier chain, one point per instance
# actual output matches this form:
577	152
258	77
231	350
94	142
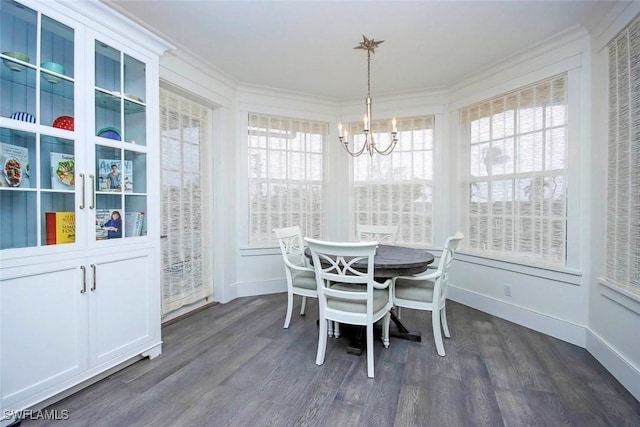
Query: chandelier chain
369	144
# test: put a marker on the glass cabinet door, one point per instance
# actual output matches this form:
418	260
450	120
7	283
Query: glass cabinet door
37	181
120	150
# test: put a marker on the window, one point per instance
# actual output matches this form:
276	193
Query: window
396	189
285	177
623	180
517	177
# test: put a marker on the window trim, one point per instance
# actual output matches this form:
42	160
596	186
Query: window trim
575	229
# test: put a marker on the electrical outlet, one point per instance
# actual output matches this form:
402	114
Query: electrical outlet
507	290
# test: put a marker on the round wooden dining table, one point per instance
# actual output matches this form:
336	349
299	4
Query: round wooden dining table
392	261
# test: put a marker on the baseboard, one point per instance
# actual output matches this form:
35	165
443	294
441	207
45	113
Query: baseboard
544	323
248	289
184	312
614	362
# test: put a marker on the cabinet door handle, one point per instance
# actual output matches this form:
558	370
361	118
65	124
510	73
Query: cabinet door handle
92	178
83	191
93	267
84	279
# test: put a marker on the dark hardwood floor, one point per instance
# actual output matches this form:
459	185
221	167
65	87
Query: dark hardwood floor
234	365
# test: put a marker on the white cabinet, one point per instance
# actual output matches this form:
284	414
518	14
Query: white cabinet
79	216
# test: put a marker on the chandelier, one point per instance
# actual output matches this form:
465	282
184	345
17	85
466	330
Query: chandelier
369	142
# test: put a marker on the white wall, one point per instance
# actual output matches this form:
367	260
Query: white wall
568	304
614	316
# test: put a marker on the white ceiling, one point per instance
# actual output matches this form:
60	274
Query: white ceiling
307	46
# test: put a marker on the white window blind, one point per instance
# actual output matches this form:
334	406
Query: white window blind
517	147
396	189
186	275
286	174
623	181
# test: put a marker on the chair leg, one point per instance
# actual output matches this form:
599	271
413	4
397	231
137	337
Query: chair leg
322	341
336	329
437	332
330	328
370	372
385	329
397	311
287	319
445	325
304	305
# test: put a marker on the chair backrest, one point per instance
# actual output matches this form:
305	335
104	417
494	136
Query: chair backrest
291	246
383	234
446	259
334	262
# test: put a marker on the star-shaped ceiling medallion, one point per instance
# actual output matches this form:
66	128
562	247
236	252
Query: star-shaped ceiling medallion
369	45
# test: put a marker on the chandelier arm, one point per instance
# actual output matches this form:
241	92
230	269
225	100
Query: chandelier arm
353	153
387	150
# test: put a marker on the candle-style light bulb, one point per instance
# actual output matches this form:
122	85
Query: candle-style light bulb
340	129
394	128
366	122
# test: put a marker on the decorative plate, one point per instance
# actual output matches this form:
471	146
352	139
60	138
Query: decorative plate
13	171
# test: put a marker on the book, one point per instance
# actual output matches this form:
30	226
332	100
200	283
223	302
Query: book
103	230
60	227
105	168
62	171
133	224
15	165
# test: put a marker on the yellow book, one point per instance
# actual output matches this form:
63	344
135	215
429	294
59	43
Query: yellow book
61	227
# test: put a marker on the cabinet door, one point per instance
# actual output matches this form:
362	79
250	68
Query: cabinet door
125	306
37	136
121	145
43	333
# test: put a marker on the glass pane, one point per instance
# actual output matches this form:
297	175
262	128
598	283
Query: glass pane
107	68
109	171
135	172
58	218
57	47
56	102
18	92
108	108
109	221
57	164
135	121
18	219
135	223
134	79
17	154
18	31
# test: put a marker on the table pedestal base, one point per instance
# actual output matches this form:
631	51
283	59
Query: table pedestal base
402	332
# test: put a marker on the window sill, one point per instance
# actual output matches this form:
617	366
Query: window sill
572	277
620	295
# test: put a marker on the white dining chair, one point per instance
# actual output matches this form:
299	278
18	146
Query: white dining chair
347	294
428	291
383	234
301	278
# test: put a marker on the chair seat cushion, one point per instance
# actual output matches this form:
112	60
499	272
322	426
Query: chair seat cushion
380	298
305	280
415	290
